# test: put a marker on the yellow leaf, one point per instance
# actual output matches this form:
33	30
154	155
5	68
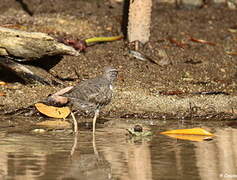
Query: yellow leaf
51	111
193	131
189	137
56	124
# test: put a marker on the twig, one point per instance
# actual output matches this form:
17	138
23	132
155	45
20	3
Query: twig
102	39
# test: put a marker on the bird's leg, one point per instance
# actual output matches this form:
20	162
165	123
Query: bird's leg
75	128
94	119
93	141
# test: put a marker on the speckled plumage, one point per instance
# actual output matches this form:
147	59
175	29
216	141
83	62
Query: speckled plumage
91	95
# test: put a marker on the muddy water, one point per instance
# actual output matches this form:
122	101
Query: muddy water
114	155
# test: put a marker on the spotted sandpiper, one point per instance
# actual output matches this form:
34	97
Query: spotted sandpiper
91	95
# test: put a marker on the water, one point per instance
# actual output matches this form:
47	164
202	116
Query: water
114	155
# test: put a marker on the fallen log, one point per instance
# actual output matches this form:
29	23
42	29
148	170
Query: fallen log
20	46
31	45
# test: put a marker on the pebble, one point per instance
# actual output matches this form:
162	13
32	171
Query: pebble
39	131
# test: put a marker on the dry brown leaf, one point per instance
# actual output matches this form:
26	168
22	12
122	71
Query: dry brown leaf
51	111
193	131
178	43
2	94
231	53
56	124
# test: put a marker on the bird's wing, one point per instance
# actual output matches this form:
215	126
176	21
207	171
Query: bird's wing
99	92
95	91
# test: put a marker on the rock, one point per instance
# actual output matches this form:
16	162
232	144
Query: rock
190	4
164	58
232	4
219	1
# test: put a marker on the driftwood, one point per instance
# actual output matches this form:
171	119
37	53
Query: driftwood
31	45
28	73
17	46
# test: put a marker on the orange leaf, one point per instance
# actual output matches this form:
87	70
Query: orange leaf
193	131
189	137
51	111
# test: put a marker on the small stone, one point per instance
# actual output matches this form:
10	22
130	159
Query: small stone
222	70
190	4
232	4
167	1
219	1
38	131
164	58
138	128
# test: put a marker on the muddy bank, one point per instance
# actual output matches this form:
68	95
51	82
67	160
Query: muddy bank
191	68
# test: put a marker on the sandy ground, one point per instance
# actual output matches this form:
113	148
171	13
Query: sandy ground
143	89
